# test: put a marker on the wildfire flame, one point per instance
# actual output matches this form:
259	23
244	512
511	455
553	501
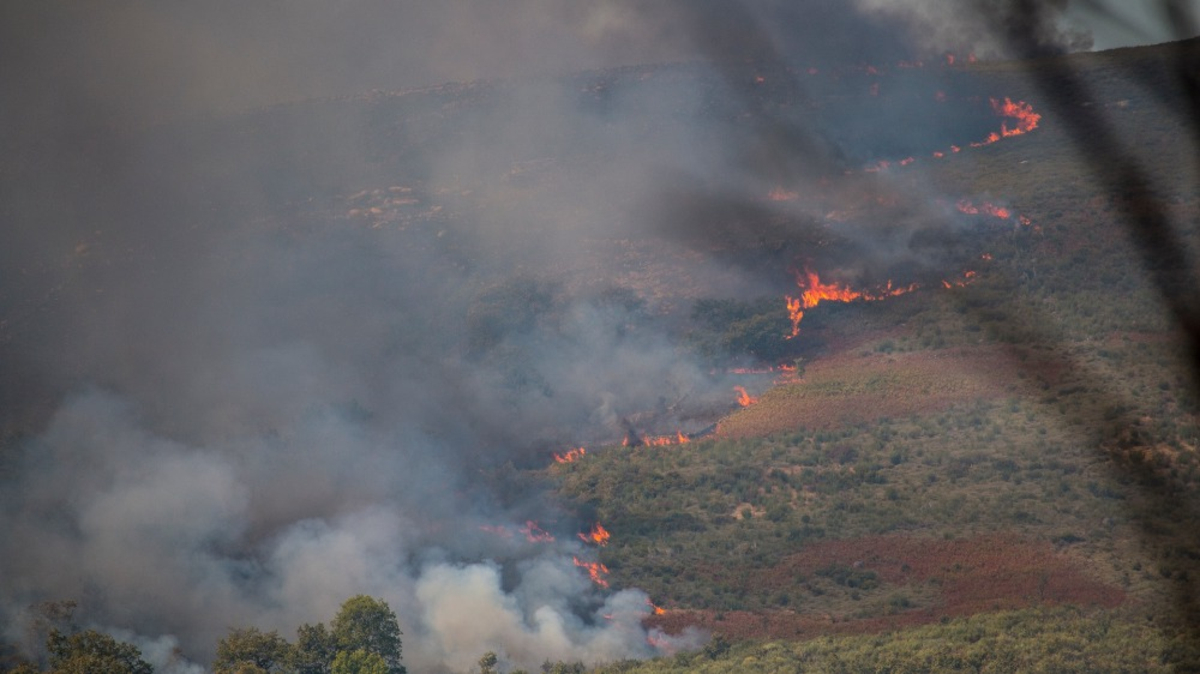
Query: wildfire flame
595	570
660	440
656	610
968	276
817	292
985	208
598	535
571	456
744	399
1027	120
535	534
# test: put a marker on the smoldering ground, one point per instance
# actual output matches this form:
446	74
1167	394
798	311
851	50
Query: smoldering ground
258	362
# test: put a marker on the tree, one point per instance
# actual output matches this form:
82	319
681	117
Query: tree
265	650
314	651
369	625
92	652
487	664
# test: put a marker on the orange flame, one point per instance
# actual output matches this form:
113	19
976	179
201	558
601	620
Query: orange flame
598	535
985	209
661	440
594	570
535	534
744	399
1027	120
968	276
571	456
818	292
656	610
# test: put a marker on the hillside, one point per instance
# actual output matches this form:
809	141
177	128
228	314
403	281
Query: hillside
867	370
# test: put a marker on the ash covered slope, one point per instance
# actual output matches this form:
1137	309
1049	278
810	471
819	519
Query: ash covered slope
258	359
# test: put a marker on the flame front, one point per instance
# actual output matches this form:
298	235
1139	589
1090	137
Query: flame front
817	292
571	456
596	571
1027	120
679	438
655	609
598	535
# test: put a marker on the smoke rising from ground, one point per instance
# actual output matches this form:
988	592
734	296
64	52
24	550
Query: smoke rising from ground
248	397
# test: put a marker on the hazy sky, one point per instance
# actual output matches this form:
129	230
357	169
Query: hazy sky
1123	23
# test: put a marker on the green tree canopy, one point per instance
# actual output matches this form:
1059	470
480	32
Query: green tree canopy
92	652
359	662
368	624
265	650
314	651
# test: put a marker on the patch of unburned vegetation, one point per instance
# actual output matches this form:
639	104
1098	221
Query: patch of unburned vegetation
859	387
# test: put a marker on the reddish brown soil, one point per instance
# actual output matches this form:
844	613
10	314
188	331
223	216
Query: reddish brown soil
980	574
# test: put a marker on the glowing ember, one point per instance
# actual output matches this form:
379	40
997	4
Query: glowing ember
571	456
656	610
744	399
817	292
968	276
984	209
595	570
598	535
535	534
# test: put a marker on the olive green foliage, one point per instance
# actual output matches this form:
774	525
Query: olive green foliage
314	650
1036	640
487	663
359	662
92	652
266	651
363	638
368	625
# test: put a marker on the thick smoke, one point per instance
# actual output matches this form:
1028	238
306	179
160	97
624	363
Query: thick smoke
235	394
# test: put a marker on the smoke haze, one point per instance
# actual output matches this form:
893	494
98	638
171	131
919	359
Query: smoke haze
276	354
